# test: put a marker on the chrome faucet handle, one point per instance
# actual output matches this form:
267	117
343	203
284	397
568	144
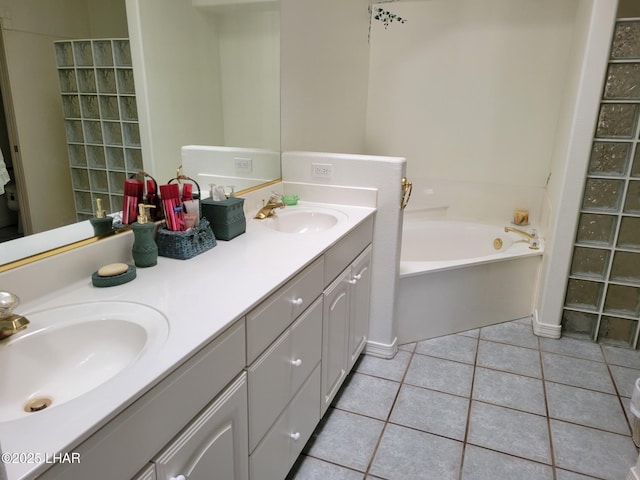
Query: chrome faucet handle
8	301
534	241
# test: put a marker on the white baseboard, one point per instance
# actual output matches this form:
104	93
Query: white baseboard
381	350
545	329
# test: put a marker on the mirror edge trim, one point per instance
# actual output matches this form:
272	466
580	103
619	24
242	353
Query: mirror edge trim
55	251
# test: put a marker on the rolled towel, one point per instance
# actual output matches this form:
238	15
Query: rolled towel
4	174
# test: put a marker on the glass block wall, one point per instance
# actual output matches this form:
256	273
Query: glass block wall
101	120
603	290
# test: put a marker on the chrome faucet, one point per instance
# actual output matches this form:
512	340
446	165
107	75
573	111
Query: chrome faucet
268	209
10	323
532	238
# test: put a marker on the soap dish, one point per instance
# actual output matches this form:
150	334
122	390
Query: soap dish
114	280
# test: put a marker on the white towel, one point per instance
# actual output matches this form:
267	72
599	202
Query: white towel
4	174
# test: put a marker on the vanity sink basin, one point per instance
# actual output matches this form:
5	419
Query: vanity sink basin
68	351
304	220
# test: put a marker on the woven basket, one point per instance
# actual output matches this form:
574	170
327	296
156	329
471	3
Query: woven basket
188	244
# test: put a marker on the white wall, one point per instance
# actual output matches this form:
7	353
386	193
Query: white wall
204	76
64	18
175	48
324	75
469	93
469	90
107	19
250	69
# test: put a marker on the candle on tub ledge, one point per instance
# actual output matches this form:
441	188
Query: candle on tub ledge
521	217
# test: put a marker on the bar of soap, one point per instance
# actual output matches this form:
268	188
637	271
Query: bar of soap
113	269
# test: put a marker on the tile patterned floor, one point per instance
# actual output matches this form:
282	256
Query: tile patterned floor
489	404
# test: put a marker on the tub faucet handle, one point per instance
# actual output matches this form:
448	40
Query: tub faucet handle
532	238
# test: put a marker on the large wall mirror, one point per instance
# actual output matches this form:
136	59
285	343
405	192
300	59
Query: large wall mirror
206	72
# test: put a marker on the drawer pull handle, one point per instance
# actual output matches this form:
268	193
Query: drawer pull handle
179	477
297	362
298	301
295	436
358	276
353	281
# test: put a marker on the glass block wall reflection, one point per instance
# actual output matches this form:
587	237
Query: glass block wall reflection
101	120
603	289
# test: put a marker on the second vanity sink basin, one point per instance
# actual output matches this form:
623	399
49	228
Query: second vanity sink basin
304	220
68	351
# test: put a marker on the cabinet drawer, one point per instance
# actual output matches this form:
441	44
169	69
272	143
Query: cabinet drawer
267	321
280	371
338	257
277	452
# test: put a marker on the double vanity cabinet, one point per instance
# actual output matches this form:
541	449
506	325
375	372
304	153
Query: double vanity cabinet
277	369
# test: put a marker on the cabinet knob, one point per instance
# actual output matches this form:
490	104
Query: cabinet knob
298	301
179	477
297	362
295	436
355	279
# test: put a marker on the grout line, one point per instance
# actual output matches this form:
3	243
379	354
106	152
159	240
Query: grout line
468	423
393	404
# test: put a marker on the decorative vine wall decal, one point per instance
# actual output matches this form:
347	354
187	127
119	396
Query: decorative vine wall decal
386	17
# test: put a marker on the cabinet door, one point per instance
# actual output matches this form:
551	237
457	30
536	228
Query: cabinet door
360	298
335	332
214	445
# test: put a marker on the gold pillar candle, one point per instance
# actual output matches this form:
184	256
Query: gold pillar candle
521	217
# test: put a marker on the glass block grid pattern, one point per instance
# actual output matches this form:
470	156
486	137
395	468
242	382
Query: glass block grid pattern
101	120
603	289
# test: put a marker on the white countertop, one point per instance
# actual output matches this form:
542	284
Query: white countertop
200	298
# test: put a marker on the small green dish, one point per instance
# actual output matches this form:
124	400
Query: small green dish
290	199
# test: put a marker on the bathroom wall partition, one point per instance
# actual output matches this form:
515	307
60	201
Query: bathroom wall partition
101	120
603	289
